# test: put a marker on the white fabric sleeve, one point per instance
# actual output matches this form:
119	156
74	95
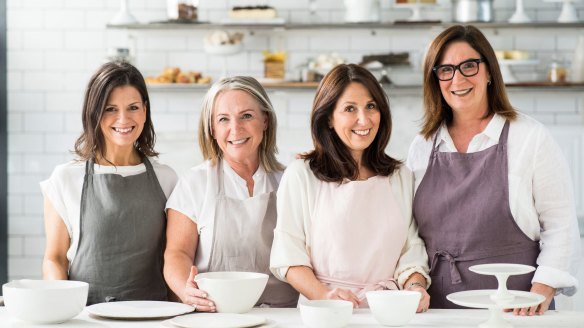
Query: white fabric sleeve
166	176
53	189
186	196
291	235
554	202
413	256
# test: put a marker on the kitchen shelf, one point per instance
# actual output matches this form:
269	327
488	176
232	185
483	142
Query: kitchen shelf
521	86
327	26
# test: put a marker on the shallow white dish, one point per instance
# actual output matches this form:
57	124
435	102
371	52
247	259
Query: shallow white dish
501	268
217	320
224	49
139	309
268	324
481	299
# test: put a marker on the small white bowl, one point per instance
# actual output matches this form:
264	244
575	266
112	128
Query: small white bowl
393	307
45	301
326	313
233	292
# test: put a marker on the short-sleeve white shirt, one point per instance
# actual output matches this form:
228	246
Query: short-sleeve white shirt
195	195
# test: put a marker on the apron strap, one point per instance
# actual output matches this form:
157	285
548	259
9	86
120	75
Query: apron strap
89	166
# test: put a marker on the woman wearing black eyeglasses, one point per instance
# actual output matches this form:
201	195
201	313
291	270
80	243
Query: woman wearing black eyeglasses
492	186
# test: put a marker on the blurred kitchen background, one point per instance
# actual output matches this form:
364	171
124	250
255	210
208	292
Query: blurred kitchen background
54	47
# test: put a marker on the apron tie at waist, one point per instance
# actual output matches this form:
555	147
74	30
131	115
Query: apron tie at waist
454	273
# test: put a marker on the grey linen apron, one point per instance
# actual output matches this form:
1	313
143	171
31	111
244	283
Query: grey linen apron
463	215
122	236
242	240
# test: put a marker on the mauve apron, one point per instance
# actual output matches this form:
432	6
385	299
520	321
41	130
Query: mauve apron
122	236
463	215
358	232
242	240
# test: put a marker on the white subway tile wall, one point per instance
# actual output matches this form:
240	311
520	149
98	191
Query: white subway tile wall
54	47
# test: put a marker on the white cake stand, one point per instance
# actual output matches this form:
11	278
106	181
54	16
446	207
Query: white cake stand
497	300
416	8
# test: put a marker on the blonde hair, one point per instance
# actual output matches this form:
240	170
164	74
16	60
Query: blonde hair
209	147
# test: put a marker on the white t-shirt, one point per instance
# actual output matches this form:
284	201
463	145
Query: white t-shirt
195	194
296	206
64	186
540	191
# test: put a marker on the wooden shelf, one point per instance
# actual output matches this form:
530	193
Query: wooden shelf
325	26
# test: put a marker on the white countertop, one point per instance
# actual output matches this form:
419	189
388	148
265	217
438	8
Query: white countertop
290	318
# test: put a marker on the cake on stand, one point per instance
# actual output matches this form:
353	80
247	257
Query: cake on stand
497	300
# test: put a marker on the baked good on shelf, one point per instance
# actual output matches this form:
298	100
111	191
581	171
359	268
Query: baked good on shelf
218	38
253	12
174	75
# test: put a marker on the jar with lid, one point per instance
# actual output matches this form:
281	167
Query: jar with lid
183	10
557	73
120	55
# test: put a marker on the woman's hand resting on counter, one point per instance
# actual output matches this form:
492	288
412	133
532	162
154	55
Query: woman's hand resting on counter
538	288
416	282
194	296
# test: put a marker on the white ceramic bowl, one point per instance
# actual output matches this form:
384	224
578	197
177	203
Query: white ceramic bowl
326	313
45	301
233	292
393	307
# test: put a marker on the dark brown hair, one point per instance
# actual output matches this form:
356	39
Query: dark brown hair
108	77
437	109
331	160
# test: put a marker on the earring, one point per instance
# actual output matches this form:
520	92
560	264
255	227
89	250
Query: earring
488	82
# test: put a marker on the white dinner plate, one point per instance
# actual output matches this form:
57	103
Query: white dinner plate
268	324
217	320
139	309
502	268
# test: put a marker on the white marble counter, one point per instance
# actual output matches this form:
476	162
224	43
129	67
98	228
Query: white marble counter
290	318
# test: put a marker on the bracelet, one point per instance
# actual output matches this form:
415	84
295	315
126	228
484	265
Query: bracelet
415	283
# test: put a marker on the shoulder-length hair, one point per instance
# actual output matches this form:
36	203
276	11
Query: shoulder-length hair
437	110
210	147
331	160
108	77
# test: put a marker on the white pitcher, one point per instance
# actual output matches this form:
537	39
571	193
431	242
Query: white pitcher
578	61
357	11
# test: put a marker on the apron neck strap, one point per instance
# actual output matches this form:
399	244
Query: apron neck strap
504	134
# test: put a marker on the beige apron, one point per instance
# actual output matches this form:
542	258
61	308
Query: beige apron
242	240
358	233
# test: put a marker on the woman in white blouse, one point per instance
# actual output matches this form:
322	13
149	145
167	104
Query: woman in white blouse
222	212
492	185
344	210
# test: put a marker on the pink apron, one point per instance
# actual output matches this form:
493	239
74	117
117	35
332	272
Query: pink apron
358	233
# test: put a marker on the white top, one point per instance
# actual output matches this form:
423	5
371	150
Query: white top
64	186
296	204
540	192
194	196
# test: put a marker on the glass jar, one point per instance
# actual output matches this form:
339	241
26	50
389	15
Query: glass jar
557	73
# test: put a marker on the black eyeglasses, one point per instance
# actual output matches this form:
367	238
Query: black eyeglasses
467	68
